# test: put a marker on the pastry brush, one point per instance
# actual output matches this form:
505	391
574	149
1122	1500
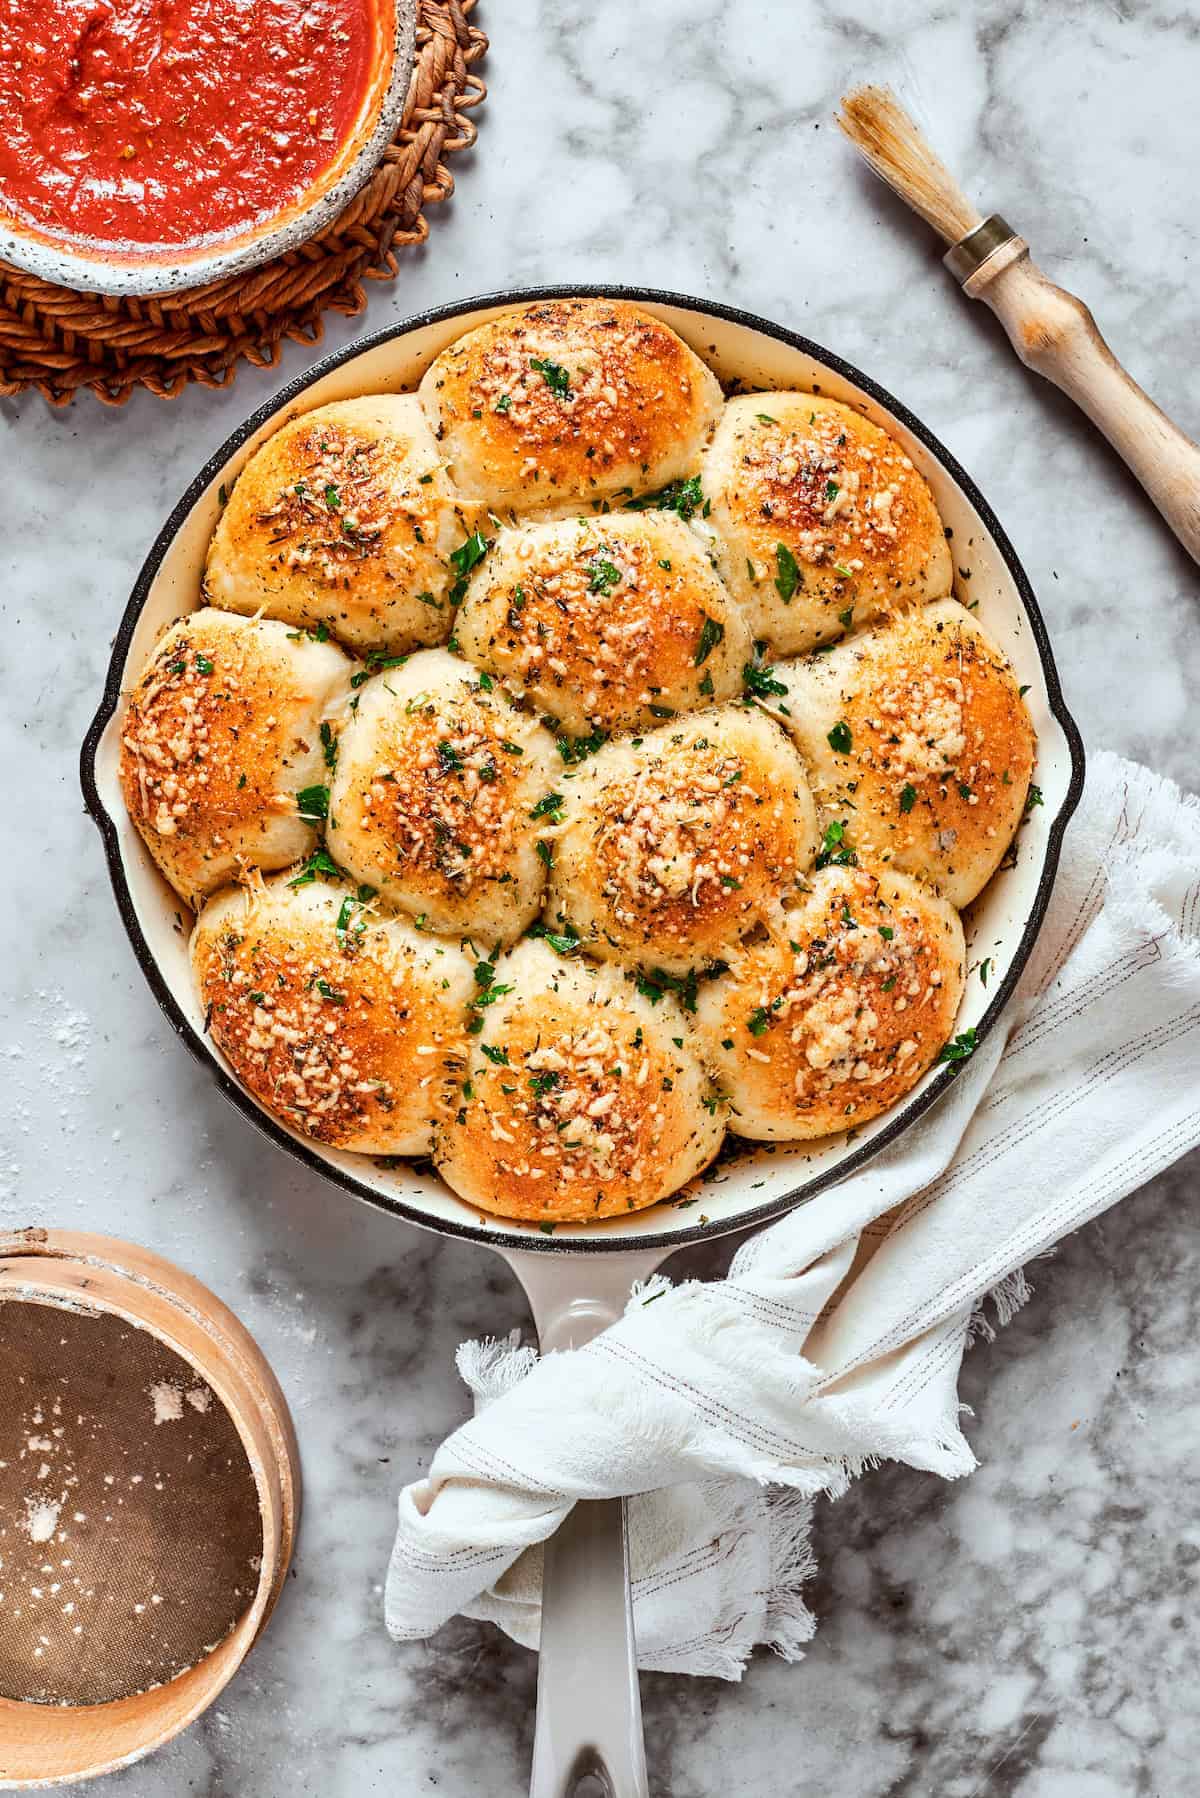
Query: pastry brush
1052	332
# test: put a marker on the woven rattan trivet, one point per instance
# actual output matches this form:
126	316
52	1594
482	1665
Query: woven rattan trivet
60	341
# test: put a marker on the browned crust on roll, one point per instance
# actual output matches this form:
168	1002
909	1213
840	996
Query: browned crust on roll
583	1100
679	845
835	1016
840	496
609	622
220	732
616	399
344	520
330	1017
919	741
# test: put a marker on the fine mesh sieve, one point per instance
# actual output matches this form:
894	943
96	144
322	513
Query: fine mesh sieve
130	1531
149	1486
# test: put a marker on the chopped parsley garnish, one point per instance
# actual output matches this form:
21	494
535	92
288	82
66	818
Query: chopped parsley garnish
468	555
329	746
510	748
347	911
787	578
330	992
333	498
656	981
847	574
760	681
886	932
203	663
374	662
555	376
908	797
503	403
839	738
498	1057
764	418
1033	798
711	633
546	1082
961	1048
603	575
549	806
449	759
985	968
489	992
683	497
427	599
577	749
831	490
846	618
758	1021
313	802
563	942
544	850
319	862
835	851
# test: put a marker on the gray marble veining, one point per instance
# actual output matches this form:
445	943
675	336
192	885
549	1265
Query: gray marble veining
1031	1632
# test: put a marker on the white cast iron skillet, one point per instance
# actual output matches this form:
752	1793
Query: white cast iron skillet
578	1278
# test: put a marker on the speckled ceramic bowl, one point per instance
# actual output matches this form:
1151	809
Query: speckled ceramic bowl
146	269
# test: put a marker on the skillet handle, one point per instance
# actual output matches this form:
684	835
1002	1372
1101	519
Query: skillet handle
588	1736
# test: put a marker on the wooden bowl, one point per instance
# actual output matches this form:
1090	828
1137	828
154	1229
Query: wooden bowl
45	1744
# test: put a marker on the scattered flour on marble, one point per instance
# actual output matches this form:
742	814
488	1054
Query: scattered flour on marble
48	1075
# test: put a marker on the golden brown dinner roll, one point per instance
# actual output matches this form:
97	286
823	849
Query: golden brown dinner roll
583	1099
347	1025
606	622
821	520
918	744
838	1011
225	746
345	521
674	844
567	401
436	798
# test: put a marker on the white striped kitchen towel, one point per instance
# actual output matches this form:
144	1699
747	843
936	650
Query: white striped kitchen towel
837	1337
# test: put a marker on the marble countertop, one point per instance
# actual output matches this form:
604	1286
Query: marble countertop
1028	1633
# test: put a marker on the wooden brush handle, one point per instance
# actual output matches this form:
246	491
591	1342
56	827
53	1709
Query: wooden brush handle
1055	334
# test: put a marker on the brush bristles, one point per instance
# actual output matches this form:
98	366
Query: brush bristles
880	129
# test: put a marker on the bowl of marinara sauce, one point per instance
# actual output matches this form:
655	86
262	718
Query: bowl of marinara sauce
150	145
